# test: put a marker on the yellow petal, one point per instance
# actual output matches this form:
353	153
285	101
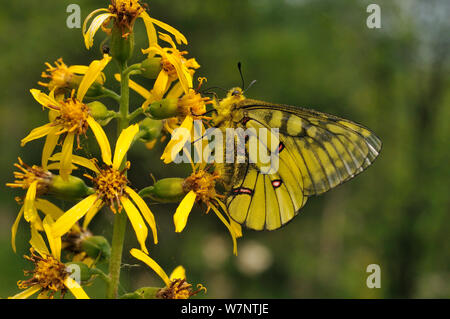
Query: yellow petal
36	133
167	38
136	221
236	227
49	146
182	213
30	212
145	211
75	288
95	69
176	91
123	144
44	99
27	292
102	140
54	242
178	36
93	28
51	209
48	208
79	160
91	213
160	85
178	273
57	166
179	138
150	28
78	69
224	221
138	254
66	221
184	76
66	156
82	69
136	87
38	243
14	228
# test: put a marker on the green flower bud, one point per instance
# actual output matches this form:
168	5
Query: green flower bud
151	129
79	271
164	109
71	189
151	67
167	190
147	292
121	48
100	112
96	247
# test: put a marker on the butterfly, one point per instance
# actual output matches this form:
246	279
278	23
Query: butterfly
316	152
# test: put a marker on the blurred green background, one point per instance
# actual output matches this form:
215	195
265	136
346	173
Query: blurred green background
318	54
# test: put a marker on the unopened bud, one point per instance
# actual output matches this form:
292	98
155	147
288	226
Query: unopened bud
71	189
147	292
167	190
151	129
164	109
79	271
100	112
96	247
151	67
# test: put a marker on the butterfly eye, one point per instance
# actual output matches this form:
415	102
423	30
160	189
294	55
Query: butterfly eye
236	92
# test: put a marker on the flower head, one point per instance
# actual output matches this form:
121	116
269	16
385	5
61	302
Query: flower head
200	187
62	77
37	182
173	66
176	285
50	275
71	118
111	188
124	14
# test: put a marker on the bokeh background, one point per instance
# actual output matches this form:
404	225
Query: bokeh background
318	54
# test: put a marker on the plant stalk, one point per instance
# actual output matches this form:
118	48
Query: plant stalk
120	219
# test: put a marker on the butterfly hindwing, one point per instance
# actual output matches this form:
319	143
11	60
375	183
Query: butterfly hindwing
265	201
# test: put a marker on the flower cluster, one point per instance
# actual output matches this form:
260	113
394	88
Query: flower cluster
77	103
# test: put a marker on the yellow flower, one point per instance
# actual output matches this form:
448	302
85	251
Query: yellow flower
71	117
63	77
50	274
124	14
174	66
37	182
190	106
111	188
200	187
176	285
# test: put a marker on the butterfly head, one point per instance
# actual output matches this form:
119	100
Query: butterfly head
226	107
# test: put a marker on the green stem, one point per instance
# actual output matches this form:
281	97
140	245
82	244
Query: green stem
120	219
110	93
135	113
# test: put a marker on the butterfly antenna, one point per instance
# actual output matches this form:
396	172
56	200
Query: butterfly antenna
244	89
249	86
240	72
